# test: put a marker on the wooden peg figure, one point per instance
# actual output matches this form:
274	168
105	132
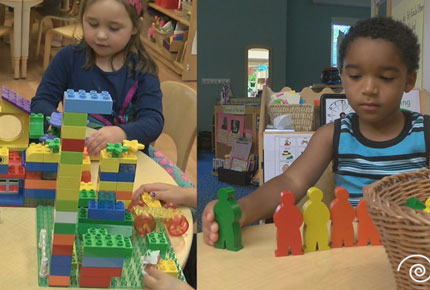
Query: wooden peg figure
366	229
288	219
315	216
342	215
227	214
427	203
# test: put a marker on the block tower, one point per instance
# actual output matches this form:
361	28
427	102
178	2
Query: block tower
77	106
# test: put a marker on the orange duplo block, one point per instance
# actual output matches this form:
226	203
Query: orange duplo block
123	195
33	175
59	280
39	184
63	239
342	215
60	250
73	145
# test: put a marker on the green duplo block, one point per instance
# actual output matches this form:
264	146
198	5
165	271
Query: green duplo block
60	228
157	241
66	205
75	119
97	243
68	157
85	196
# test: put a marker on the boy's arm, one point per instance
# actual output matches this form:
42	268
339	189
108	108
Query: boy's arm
53	84
302	174
148	111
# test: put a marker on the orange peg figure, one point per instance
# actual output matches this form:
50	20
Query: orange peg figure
288	219
342	215
366	229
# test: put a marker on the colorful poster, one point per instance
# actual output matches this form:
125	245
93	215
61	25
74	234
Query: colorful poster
222	128
235	128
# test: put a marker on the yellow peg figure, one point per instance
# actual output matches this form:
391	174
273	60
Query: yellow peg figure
427	203
315	217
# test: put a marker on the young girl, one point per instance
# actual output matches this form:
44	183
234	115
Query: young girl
378	59
109	58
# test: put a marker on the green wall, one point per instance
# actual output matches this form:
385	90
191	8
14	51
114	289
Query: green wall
297	31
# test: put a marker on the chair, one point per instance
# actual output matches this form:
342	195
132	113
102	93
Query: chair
71	32
180	118
4	30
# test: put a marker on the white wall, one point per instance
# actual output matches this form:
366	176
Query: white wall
426	46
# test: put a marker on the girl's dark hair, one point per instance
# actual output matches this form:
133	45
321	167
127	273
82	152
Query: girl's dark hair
387	29
143	63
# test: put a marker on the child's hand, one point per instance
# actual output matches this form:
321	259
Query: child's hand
169	193
157	280
110	134
209	226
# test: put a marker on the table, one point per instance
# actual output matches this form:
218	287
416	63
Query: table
21	33
256	267
18	232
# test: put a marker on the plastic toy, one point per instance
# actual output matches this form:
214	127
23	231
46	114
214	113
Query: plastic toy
288	220
415	203
315	216
366	229
227	215
342	215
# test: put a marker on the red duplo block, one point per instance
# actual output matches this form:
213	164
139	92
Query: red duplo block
37	175
73	145
101	271
14	157
61	250
90	281
86	176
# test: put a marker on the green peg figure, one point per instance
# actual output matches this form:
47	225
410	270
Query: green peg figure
227	214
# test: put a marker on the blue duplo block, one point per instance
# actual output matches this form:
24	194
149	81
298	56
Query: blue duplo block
43	167
126	172
87	102
108	176
39	193
4	169
105	211
11	199
60	269
61	260
102	262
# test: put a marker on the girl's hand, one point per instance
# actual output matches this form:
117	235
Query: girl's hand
157	280
169	193
110	134
209	226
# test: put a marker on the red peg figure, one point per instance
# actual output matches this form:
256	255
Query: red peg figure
342	215
227	214
366	229
288	219
315	216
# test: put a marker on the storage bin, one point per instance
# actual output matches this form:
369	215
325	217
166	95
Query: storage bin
302	115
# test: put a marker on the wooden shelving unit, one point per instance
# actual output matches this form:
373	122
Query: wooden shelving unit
185	63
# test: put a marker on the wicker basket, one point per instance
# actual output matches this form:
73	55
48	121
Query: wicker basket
160	36
403	231
302	115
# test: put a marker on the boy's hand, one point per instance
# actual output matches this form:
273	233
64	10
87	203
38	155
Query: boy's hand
168	193
209	226
157	280
110	134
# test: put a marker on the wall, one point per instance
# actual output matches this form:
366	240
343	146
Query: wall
225	30
426	47
309	39
298	31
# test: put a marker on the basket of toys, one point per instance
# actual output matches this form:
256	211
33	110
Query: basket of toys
161	35
404	231
302	115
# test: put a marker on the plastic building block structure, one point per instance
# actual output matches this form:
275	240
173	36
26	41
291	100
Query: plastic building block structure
36	126
227	214
87	102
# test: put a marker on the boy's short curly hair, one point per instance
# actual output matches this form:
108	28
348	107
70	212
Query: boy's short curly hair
388	29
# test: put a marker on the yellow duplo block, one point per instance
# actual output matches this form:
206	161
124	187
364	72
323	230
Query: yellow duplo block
106	186
69	182
86	163
86	186
125	202
73	132
108	163
69	169
168	267
4	155
149	201
124	186
128	158
35	153
49	156
67	194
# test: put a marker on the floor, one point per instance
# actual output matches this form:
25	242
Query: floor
27	88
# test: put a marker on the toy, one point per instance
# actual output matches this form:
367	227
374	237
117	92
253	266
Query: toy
315	216
288	220
342	215
227	214
366	229
415	203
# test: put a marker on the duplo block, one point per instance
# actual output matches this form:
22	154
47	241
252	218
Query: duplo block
66	205
157	241
73	132
168	267
69	170
102	262
98	243
85	196
75	119
67	194
95	211
68	157
41	166
73	145
87	102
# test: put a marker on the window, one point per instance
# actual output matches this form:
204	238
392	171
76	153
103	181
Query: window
339	27
258	70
